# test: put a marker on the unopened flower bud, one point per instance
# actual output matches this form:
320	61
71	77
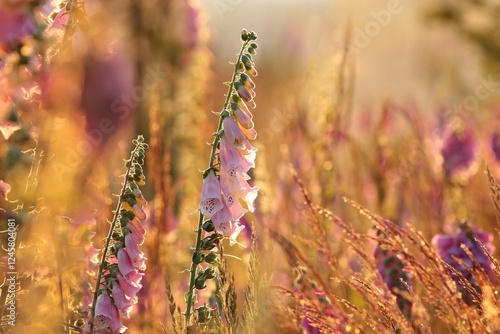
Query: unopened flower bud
208	226
197	258
200	282
211	258
204	314
210	273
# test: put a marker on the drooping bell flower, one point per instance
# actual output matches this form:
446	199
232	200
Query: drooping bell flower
123	304
211	201
126	268
134	252
129	288
103	311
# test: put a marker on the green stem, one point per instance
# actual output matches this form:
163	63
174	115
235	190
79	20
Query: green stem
108	239
192	270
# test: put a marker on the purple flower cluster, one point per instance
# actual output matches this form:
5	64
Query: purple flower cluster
450	251
223	188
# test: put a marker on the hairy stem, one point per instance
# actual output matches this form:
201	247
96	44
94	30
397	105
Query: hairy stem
192	270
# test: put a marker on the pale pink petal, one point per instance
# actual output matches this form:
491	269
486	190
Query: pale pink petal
221	218
137	224
139	212
233	133
237	228
103	313
243	119
232	158
134	252
122	303
129	288
211	201
115	323
139	238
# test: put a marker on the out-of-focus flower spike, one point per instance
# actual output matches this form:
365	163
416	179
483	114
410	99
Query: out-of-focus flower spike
450	249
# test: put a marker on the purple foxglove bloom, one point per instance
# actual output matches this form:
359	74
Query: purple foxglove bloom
128	287
250	133
123	304
138	226
234	232
134	252
449	248
138	211
115	323
222	217
126	268
233	133
243	92
231	157
243	119
459	153
138	237
103	314
211	201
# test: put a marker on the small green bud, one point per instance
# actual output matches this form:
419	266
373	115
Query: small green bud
200	282
244	35
254	45
123	221
127	163
224	113
208	226
204	314
127	214
211	258
198	258
207	244
210	273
